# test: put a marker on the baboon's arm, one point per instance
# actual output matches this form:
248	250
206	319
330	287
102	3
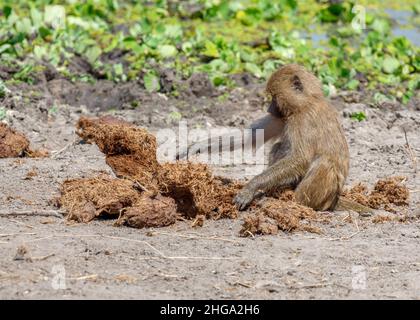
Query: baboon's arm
285	172
272	126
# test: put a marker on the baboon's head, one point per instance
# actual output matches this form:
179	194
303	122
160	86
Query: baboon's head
292	89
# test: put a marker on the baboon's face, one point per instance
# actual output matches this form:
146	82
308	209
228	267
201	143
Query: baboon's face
292	89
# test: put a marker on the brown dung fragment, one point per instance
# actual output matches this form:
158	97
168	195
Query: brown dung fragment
387	194
14	144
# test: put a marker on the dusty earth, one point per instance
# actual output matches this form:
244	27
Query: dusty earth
46	257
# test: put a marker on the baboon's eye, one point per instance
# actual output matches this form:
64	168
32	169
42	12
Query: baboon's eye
297	84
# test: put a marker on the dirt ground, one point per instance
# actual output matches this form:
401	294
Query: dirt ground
48	258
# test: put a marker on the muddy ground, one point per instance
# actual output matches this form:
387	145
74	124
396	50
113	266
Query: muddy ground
47	257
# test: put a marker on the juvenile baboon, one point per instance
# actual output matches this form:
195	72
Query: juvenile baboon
310	153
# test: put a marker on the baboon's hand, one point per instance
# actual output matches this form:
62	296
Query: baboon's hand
244	198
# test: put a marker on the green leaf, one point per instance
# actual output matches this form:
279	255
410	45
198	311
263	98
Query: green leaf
380	98
36	17
359	116
40	52
352	84
44	32
3	91
254	69
118	69
173	31
2	109
175	115
187	47
332	13
218	80
5	47
24	25
381	26
292	4
7	10
93	53
151	82
390	65
211	50
167	51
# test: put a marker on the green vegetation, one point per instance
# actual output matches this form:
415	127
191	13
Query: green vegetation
2	113
3	89
359	116
126	40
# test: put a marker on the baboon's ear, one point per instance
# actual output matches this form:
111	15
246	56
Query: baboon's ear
297	84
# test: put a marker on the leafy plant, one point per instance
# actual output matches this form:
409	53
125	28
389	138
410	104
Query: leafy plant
359	116
125	40
3	89
151	82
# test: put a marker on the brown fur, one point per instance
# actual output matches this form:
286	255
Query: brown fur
311	153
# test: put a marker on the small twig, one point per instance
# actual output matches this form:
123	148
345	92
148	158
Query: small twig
88	277
346	217
356	224
167	275
345	238
16	234
250	233
73	143
243	284
42	213
310	286
140	186
42	257
193	237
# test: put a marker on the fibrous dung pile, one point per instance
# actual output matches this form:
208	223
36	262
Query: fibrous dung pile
149	194
14	144
387	194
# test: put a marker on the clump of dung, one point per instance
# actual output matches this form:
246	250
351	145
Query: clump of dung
86	199
149	194
14	144
197	191
130	151
150	211
275	214
387	194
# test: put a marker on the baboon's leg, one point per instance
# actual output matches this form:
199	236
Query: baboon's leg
321	186
285	172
